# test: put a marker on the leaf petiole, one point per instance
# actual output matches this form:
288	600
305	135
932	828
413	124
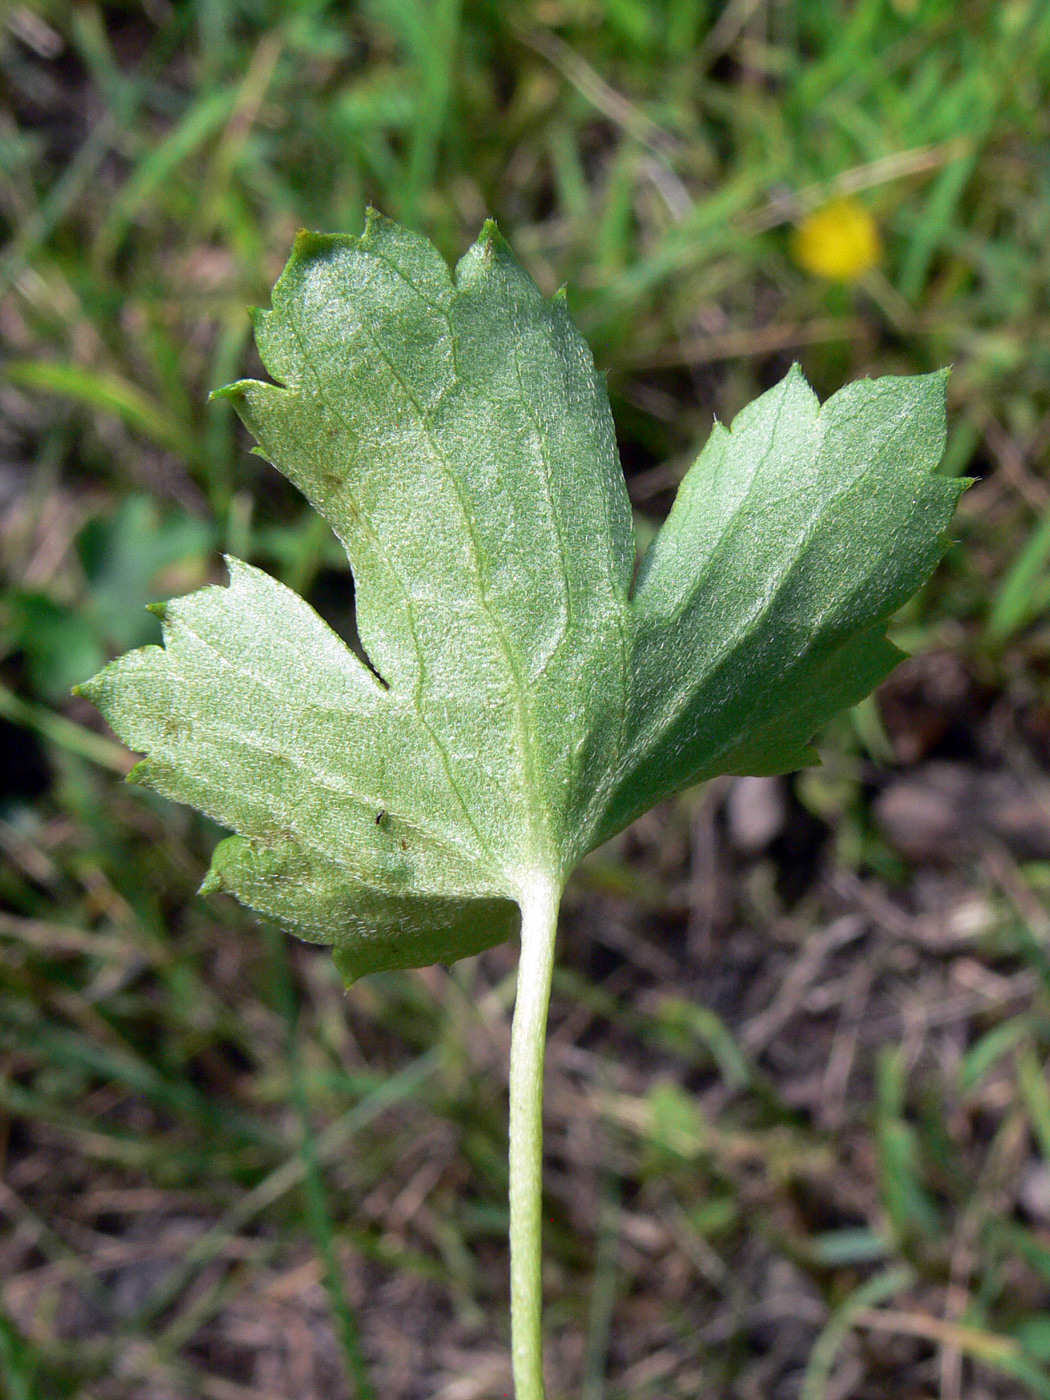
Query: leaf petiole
539	902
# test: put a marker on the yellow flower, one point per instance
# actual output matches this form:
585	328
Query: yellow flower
839	242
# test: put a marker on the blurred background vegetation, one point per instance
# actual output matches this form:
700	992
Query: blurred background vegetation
798	1107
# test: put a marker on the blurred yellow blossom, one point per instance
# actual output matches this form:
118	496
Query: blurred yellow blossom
839	241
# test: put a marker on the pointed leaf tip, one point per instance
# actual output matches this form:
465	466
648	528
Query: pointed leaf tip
138	773
310	244
378	226
490	239
212	882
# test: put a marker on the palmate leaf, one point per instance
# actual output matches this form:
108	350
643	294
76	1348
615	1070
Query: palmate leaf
522	703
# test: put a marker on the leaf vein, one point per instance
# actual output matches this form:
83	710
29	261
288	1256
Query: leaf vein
498	628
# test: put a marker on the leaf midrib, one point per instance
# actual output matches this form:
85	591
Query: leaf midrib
523	729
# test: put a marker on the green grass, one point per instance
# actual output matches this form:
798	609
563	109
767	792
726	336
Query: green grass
221	1176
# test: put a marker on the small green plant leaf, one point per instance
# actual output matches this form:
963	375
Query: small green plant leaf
760	609
519	703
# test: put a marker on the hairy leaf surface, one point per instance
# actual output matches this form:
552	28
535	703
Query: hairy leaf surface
522	704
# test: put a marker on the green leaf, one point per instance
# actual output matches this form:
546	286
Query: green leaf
518	705
760	609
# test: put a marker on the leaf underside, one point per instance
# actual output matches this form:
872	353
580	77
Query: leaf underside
522	704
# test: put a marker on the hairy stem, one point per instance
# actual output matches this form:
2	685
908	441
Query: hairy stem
539	922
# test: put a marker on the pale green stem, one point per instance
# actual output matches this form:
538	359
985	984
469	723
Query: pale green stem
539	923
